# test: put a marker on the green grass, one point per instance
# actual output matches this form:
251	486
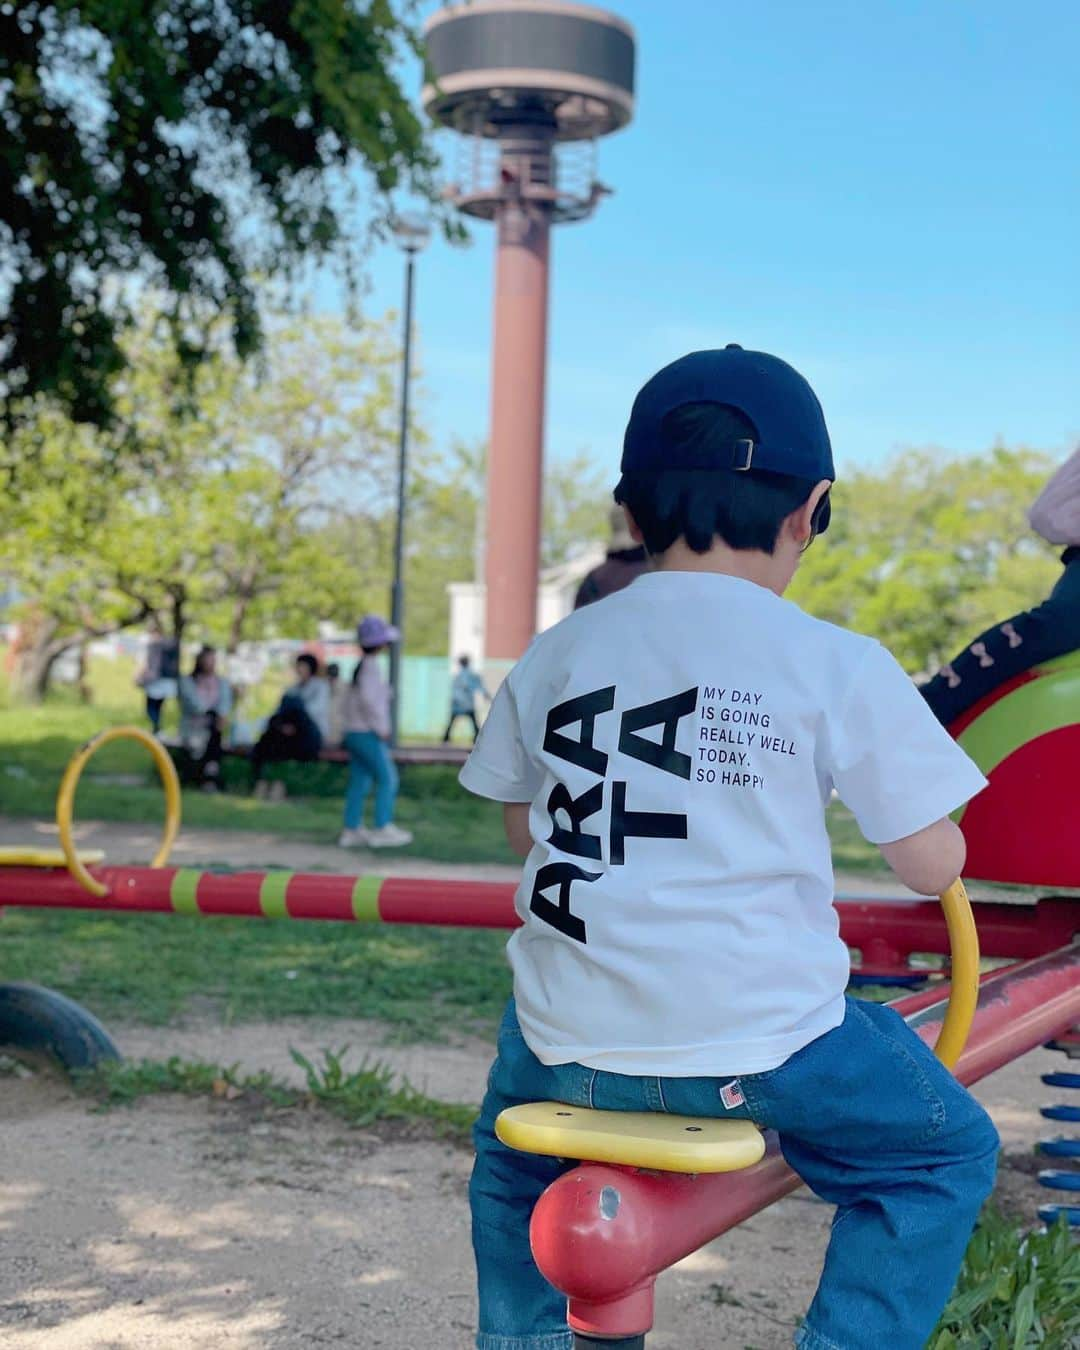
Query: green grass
449	825
1016	1290
155	968
367	1096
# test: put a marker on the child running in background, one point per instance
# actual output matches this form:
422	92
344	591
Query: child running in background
463	691
665	757
367	735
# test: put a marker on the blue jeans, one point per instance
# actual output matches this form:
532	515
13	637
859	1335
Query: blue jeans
867	1117
370	762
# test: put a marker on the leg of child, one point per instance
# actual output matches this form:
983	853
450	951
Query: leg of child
877	1126
356	794
519	1310
386	782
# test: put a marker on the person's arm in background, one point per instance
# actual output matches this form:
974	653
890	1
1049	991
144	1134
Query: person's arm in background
225	701
1055	513
374	696
188	696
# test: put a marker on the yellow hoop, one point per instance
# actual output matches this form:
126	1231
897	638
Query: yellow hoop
65	800
964	985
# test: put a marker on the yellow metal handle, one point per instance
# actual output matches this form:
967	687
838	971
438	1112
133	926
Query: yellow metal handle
65	800
964	987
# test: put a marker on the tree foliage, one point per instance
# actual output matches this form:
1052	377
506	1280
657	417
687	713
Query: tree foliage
189	145
225	530
929	550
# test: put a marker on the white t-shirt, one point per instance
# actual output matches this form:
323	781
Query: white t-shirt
678	742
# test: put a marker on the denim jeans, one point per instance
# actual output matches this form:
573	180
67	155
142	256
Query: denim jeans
369	761
866	1115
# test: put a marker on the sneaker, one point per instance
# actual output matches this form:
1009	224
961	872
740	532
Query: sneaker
389	836
277	791
353	838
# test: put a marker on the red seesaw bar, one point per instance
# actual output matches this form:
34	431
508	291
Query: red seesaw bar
886	932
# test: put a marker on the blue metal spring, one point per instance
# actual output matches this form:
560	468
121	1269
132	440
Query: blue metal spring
1063	1147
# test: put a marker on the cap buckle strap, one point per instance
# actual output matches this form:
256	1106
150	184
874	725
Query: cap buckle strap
743	456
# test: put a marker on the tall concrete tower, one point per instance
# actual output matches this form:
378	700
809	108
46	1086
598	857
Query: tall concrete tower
529	85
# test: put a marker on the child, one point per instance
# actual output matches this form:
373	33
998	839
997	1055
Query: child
665	757
368	728
463	691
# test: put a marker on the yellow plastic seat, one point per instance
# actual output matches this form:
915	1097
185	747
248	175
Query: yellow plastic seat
656	1142
17	855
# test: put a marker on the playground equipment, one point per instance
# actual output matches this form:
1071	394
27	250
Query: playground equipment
631	1218
528	86
1025	736
41	1020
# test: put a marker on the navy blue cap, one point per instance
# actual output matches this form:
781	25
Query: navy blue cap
790	435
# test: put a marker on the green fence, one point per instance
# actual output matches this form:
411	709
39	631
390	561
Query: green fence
425	697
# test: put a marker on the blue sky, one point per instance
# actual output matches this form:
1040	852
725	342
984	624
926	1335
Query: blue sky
884	192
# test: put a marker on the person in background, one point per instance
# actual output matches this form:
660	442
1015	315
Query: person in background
367	736
463	691
1037	635
205	704
336	714
625	561
160	672
297	730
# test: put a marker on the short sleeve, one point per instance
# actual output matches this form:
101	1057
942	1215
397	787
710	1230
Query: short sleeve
499	766
892	762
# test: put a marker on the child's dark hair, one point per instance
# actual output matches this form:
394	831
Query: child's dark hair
312	662
746	509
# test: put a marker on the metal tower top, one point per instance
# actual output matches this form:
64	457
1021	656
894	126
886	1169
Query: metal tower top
497	64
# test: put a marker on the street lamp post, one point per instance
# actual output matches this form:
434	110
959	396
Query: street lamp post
411	233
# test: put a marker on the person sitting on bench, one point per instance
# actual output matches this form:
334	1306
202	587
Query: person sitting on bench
297	729
1028	639
206	700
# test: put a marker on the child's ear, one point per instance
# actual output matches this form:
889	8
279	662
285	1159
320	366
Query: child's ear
801	522
632	526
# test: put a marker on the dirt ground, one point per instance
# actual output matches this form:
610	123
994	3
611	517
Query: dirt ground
191	1225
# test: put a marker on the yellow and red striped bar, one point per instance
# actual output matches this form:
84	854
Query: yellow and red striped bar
268	895
885	931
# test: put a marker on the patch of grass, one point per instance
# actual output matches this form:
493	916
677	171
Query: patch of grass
1016	1290
373	1093
369	1095
154	968
449	825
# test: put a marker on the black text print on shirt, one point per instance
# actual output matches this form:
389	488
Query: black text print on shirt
623	823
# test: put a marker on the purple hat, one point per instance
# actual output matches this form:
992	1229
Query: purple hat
372	631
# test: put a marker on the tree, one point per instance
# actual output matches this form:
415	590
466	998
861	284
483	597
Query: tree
577	507
929	550
225	529
190	145
445	530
